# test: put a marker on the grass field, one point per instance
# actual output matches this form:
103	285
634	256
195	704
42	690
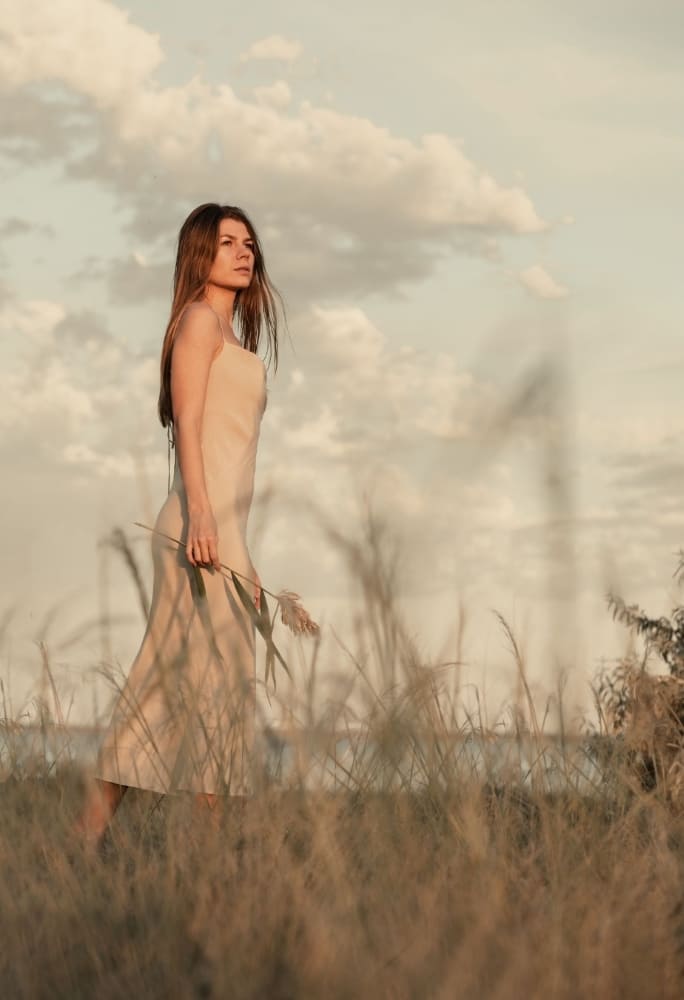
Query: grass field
461	888
545	879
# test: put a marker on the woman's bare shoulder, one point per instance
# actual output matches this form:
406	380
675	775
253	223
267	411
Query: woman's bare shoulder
198	324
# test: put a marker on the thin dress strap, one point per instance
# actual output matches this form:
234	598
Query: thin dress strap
170	444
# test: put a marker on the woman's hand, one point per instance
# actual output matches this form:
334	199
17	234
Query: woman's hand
202	544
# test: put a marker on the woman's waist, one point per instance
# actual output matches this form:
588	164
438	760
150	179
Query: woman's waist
229	498
229	471
229	436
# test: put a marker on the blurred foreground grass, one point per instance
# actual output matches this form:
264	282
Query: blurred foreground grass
471	891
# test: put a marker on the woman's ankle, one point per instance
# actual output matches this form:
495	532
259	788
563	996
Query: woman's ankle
88	833
96	814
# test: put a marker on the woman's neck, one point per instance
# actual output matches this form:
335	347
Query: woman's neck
222	301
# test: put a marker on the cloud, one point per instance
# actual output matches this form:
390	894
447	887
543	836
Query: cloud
648	474
277	95
539	282
135	278
15	226
28	320
359	417
357	208
88	45
69	388
385	395
275	48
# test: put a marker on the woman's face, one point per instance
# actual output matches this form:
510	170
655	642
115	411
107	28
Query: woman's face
234	261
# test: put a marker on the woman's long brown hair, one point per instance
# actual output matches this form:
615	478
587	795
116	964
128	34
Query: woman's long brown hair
255	306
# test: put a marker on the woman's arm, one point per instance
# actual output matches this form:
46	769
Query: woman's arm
194	348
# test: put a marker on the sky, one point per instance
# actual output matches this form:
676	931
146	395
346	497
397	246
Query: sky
473	215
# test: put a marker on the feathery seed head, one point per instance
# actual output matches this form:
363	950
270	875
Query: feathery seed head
294	615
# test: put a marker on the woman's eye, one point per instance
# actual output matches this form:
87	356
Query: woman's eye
227	243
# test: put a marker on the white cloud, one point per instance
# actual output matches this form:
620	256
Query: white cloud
347	339
359	208
368	402
69	389
89	45
274	48
320	434
34	319
276	95
539	282
26	403
374	436
120	466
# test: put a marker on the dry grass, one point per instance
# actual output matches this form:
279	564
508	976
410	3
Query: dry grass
472	892
421	876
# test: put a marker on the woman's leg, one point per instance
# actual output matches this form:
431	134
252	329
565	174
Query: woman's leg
102	801
207	804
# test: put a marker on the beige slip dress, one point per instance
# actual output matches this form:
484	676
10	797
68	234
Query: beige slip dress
184	719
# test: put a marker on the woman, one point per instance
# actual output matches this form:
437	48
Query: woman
184	720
